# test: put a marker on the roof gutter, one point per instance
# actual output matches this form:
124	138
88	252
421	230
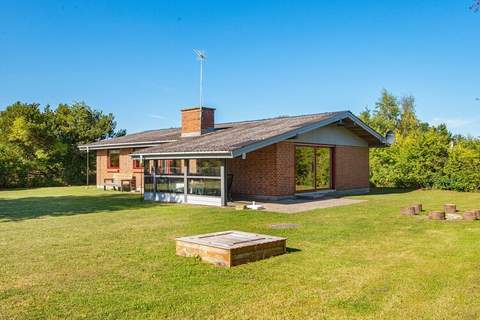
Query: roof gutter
123	145
184	155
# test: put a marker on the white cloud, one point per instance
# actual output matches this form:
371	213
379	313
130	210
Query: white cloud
156	116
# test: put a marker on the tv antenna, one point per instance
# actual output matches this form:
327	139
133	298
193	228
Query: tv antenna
201	57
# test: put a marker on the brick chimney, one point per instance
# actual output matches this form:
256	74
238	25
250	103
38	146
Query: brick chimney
197	121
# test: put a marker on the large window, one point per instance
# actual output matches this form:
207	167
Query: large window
150	166
170	185
204	167
148	183
322	168
204	187
313	168
170	167
202	176
113	160
304	168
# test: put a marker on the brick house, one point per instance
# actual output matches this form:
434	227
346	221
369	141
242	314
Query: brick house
207	163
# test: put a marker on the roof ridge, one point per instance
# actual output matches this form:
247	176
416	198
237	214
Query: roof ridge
284	116
246	121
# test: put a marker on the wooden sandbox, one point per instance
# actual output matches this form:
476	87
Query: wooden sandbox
230	248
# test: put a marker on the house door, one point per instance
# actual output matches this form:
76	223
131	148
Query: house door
313	168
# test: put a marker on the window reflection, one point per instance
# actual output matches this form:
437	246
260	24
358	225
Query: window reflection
170	185
204	187
204	167
173	167
113	159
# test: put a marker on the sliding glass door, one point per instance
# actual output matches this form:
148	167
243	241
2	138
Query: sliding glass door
313	168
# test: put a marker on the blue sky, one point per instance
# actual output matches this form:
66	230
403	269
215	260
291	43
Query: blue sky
265	58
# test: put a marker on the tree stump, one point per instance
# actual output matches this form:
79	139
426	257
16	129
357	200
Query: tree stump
408	211
477	212
450	208
436	215
418	208
470	215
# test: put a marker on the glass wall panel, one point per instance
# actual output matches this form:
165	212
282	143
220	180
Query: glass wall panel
304	168
312	168
148	183
170	167
150	166
204	187
204	167
322	168
170	185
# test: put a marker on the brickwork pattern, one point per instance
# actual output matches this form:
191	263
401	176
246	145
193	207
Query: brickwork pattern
197	120
268	171
126	166
351	168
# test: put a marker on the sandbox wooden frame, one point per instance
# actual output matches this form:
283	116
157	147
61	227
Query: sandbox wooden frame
231	248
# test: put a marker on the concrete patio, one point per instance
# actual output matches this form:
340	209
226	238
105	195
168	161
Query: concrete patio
299	205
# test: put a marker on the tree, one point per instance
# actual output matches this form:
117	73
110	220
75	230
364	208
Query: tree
41	147
26	141
462	170
79	124
408	120
422	155
386	114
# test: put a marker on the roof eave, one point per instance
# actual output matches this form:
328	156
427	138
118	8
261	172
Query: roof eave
183	155
138	144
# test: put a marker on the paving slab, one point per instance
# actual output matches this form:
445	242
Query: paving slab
300	205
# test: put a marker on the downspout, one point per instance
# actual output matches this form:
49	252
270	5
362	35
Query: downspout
141	177
88	165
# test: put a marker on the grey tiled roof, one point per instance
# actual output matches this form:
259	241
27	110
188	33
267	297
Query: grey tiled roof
142	137
235	135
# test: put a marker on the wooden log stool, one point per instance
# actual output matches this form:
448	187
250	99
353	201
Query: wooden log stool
436	215
450	208
408	211
470	215
418	208
477	212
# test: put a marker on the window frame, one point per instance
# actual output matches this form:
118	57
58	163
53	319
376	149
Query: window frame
109	166
332	166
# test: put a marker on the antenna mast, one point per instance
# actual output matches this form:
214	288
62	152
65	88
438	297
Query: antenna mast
201	56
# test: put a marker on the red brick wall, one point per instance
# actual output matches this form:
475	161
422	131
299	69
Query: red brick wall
197	120
351	168
126	166
266	172
208	119
269	171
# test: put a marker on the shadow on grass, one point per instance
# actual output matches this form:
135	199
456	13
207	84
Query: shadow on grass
292	250
390	190
36	207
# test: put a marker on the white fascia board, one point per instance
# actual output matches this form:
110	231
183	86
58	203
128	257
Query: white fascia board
123	145
184	155
366	127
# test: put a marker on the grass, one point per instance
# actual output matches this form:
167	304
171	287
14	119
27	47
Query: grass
77	253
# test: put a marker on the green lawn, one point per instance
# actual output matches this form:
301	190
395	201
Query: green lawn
78	253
